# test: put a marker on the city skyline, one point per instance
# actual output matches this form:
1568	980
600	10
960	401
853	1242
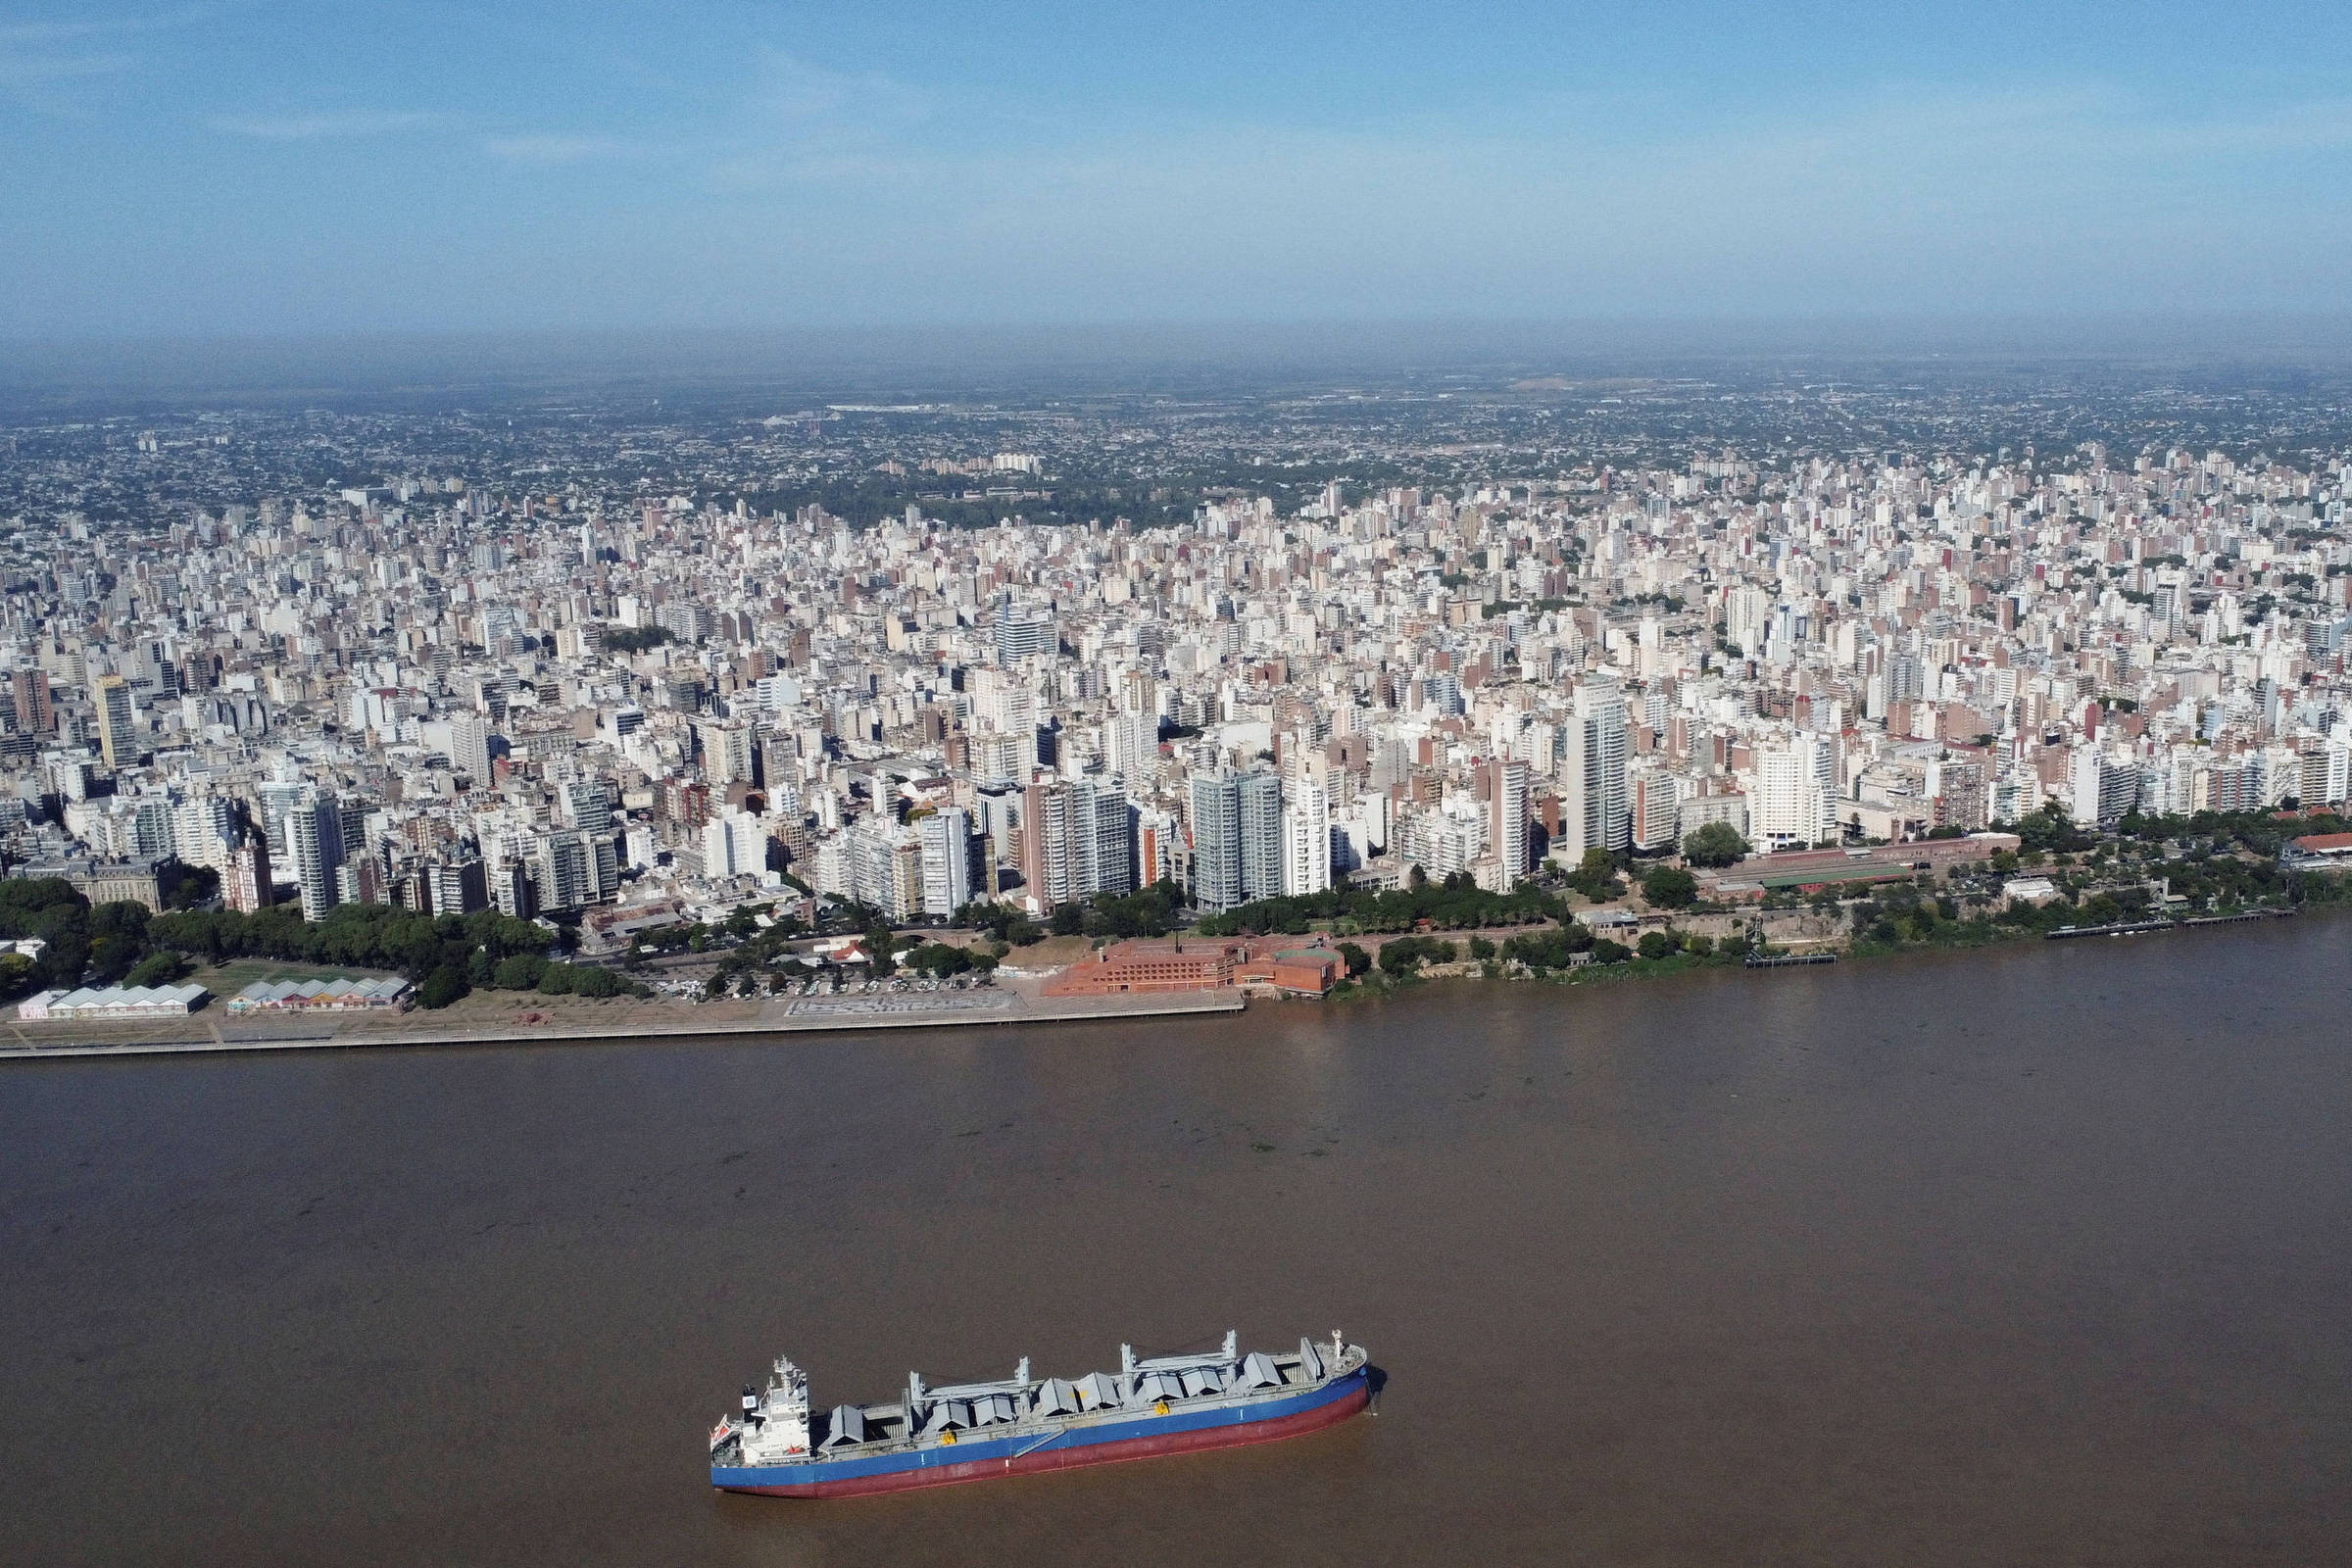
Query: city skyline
657	673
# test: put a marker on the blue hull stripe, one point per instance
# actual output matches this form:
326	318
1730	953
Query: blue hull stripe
969	1448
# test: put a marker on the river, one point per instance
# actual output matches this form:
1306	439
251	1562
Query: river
2036	1255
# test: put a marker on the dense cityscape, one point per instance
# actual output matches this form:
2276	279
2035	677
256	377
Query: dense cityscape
1206	785
627	674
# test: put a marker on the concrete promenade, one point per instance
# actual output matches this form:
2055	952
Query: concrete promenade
777	1016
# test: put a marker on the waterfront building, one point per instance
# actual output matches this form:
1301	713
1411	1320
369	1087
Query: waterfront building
1596	809
947	840
315	832
1306	840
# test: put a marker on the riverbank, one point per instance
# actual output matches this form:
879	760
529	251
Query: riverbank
499	1018
543	1024
1637	966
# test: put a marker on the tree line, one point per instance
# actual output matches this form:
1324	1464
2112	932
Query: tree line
1457	903
447	954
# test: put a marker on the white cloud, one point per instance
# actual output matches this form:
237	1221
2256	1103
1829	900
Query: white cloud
30	69
1900	197
46	83
328	122
19	33
39	60
549	150
801	123
792	89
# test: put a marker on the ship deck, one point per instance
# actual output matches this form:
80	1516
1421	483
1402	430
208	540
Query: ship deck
1049	1407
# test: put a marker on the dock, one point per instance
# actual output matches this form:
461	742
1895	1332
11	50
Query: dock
2134	928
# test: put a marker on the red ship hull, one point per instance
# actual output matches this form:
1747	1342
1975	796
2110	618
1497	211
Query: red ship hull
1145	1448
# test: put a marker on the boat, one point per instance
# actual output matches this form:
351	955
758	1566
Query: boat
780	1447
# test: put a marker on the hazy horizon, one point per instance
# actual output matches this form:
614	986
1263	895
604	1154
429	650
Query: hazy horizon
1103	359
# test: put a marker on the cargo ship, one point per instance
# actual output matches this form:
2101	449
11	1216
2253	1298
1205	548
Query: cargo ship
935	1437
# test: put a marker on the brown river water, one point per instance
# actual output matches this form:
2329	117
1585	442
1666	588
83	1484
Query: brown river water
2037	1255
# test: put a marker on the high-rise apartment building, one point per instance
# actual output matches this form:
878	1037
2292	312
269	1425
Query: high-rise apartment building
588	804
1261	826
1131	743
36	708
1508	817
734	843
565	871
1077	839
1214	810
1024	635
1796	798
458	886
1306	840
470	747
2102	787
204	831
1595	811
728	749
117	723
946	836
245	883
314	830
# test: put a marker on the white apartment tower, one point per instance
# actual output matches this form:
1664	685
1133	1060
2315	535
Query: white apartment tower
1796	798
1506	817
947	843
1306	839
1595	812
470	747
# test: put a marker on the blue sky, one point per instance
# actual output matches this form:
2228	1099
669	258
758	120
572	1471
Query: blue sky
264	167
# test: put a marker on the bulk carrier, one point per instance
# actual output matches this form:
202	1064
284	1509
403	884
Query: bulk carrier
973	1431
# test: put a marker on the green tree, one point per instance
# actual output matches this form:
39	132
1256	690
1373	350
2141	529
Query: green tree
112	956
1670	887
2051	828
636	639
19	975
198	884
442	987
157	970
1657	944
519	971
1714	845
594	980
1596	875
1354	957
